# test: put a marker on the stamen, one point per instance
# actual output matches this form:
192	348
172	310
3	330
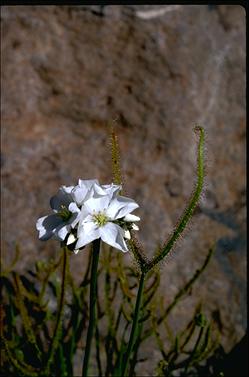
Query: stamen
100	218
64	213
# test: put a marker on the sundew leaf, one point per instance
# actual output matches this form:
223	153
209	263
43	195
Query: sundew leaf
115	156
27	289
17	362
6	270
25	317
6	283
182	292
194	352
188	213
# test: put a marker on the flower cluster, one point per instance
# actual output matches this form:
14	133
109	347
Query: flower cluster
89	211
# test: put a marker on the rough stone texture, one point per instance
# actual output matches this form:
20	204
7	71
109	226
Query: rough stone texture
67	71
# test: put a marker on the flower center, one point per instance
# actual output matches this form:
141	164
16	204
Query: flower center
64	213
100	218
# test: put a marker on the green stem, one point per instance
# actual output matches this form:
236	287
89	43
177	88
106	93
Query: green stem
57	331
93	299
134	326
135	350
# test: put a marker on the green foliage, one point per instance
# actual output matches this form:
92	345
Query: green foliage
42	329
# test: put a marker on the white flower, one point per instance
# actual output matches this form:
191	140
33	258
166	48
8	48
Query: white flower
103	216
66	205
88	211
65	217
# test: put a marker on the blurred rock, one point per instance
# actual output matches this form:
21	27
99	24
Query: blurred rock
67	71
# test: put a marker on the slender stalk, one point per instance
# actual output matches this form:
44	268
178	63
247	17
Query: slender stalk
134	326
192	356
57	331
135	350
98	352
110	317
93	300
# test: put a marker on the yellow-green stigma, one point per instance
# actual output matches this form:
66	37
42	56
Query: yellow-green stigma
64	213
100	218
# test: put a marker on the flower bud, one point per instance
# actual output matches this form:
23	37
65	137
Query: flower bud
131	217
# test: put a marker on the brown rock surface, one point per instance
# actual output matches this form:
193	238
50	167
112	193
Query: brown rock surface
67	71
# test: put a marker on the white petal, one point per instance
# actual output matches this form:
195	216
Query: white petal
86	237
73	221
131	218
44	234
113	208
135	227
71	239
127	235
67	189
79	194
88	183
86	227
84	215
112	190
73	207
120	240
76	251
113	235
97	204
98	191
83	221
129	207
120	207
61	198
62	232
83	190
46	226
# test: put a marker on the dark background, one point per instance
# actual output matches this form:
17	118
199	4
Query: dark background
158	70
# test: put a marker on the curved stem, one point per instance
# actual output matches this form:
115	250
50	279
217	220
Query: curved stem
93	299
134	326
